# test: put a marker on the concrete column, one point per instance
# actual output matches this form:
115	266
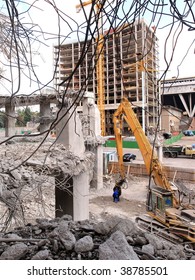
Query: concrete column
45	115
81	197
69	131
105	164
10	120
91	111
98	172
159	153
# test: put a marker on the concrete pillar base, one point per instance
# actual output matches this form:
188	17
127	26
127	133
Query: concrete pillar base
45	115
10	120
99	167
81	197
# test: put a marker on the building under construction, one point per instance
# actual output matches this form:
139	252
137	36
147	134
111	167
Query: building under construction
130	60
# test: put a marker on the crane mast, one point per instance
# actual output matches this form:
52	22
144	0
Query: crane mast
99	63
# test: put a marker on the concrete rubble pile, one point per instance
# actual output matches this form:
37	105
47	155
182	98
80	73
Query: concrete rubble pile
63	239
32	183
54	158
27	187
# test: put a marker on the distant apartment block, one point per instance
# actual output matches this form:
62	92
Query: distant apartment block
130	69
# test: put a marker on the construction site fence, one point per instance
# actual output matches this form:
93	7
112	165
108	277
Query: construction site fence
135	169
134	144
173	139
126	144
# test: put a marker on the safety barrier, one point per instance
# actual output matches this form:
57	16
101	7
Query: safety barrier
173	139
134	144
139	169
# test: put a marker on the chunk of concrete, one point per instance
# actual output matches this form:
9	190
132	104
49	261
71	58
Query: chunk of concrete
117	248
84	244
41	255
15	252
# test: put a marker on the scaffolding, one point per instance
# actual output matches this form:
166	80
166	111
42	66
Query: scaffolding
130	69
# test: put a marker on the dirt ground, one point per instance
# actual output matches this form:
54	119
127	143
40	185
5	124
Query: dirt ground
131	204
133	199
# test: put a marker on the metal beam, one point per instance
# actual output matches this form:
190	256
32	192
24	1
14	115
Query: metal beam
193	112
184	104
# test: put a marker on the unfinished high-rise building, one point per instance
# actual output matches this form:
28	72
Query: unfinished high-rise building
130	59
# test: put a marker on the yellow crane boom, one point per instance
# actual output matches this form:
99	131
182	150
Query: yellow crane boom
99	66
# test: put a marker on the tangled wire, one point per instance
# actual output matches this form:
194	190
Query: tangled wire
30	28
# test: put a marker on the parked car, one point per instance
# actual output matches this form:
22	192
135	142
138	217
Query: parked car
188	133
167	135
128	157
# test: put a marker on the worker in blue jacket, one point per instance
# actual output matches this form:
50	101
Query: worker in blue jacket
117	190
116	193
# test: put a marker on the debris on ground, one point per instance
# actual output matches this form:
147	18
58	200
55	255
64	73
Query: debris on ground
27	188
64	239
27	179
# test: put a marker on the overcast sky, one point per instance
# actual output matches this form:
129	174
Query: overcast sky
44	15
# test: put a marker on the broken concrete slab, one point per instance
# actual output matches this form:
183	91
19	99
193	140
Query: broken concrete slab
87	243
84	244
117	248
41	255
15	252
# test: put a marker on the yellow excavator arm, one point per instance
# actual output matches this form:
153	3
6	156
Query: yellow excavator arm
152	163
